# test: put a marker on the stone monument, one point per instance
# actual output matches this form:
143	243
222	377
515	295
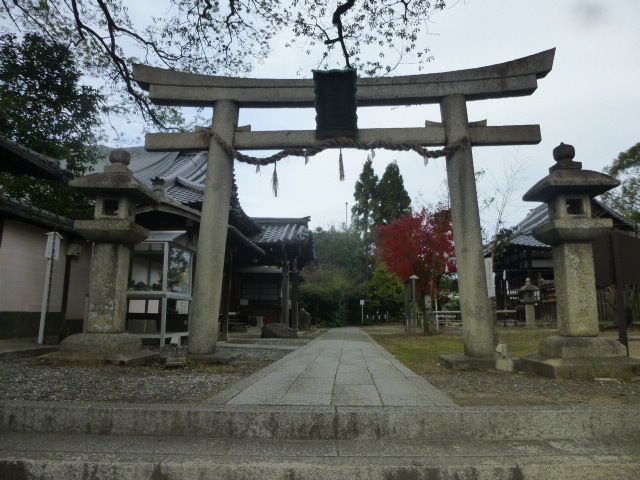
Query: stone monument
304	320
578	351
113	231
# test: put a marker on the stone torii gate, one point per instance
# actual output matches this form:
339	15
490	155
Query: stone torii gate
451	90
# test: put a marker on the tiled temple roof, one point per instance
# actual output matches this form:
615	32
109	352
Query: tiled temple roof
25	211
184	175
285	231
291	233
21	160
522	235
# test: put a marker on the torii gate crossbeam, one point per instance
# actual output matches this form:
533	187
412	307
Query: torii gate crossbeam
451	90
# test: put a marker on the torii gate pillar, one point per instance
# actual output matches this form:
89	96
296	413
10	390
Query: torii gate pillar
477	325
207	291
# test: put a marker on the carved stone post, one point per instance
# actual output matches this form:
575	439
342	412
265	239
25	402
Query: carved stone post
477	325
207	290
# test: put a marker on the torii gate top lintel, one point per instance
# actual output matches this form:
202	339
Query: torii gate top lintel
508	79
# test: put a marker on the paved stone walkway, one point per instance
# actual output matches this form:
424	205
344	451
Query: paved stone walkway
344	367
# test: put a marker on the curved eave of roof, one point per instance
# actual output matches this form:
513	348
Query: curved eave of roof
237	235
617	216
527	240
286	234
282	220
170	206
25	211
21	160
184	181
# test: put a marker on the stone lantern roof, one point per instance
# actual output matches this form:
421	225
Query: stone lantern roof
567	177
116	180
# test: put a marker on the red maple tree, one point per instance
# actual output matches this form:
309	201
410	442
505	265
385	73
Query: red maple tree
419	243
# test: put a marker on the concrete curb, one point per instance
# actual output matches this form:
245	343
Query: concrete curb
320	422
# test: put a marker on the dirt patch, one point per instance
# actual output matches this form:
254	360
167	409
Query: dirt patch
494	388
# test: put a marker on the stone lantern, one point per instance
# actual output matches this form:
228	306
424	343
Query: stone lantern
528	298
577	352
113	231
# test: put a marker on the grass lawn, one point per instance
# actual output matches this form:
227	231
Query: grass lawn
422	353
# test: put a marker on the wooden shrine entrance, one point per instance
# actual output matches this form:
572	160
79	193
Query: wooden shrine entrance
450	90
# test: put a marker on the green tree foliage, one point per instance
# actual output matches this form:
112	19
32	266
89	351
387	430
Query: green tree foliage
626	168
385	291
393	199
344	248
325	293
341	253
44	106
501	242
223	38
366	200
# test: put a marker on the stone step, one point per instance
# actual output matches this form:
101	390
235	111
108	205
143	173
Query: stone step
103	457
322	423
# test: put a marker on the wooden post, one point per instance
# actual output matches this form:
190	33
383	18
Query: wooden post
284	316
213	233
617	268
477	324
65	298
226	297
295	283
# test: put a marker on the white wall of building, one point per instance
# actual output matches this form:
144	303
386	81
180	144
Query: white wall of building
23	266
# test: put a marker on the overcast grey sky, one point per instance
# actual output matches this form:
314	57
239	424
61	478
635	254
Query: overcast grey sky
591	100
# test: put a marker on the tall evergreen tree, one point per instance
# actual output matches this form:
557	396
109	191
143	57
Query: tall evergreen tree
626	168
393	199
362	213
44	106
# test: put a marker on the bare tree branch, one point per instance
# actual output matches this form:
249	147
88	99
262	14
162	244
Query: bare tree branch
338	23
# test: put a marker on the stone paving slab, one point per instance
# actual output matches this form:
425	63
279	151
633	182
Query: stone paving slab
23	348
361	372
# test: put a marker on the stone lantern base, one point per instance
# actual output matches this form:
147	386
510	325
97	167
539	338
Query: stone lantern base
581	358
103	348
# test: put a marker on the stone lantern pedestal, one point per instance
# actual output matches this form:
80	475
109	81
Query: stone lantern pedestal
578	352
528	299
113	231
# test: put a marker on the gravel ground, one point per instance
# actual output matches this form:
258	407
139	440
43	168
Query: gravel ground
29	379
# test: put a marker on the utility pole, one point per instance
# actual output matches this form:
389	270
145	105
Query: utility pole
345	215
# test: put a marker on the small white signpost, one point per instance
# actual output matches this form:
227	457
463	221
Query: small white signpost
51	253
491	277
362	310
